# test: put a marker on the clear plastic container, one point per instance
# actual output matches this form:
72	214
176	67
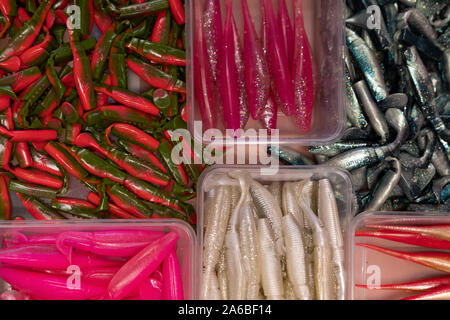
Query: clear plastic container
186	245
324	26
339	179
369	267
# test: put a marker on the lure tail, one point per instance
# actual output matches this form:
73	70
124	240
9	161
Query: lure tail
436	260
411	286
437	232
440	293
409	238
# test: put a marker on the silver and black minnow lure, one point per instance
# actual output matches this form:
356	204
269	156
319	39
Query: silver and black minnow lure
368	64
374	114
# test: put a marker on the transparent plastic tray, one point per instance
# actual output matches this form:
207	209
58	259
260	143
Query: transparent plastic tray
324	26
186	245
339	179
367	266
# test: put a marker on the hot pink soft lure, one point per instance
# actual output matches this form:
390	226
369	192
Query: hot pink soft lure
257	80
286	30
119	243
277	57
172	283
227	76
138	268
203	75
112	264
244	112
302	72
44	286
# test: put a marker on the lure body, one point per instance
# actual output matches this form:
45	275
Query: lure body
295	257
228	74
257	82
368	63
322	256
120	243
329	215
49	287
48	257
436	260
440	293
423	285
204	72
140	266
219	214
278	62
237	282
302	73
172	288
269	260
249	249
438	232
267	207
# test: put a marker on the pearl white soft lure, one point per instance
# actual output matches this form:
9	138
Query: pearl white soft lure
218	216
322	255
249	249
275	188
306	190
269	260
222	276
289	204
267	207
329	215
295	257
237	281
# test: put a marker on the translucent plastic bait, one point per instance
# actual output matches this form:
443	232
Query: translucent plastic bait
302	72
267	207
322	256
140	266
256	70
227	73
278	62
295	257
306	190
329	215
222	276
118	243
220	211
237	281
249	249
271	276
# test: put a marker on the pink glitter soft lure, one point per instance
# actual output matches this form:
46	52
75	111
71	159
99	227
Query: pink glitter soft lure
212	27
286	29
302	72
257	80
213	34
269	114
203	73
227	73
277	57
244	112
